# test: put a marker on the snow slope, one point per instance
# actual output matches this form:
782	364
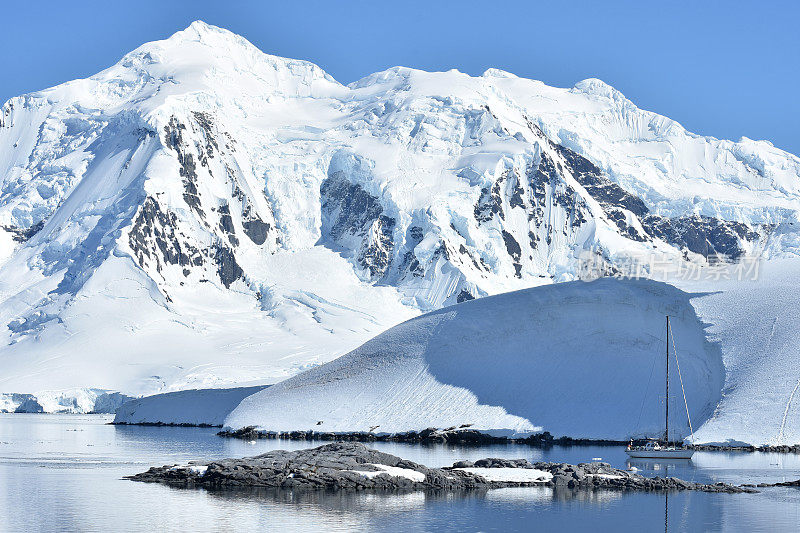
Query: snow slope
579	359
193	407
756	327
202	214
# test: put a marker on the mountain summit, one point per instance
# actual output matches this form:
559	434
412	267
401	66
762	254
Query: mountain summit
202	214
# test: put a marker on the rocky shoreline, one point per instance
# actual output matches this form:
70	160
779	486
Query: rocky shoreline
165	424
750	448
466	436
453	435
354	466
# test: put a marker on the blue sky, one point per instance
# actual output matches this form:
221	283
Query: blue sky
725	69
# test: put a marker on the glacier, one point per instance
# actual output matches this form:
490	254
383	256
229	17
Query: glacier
581	359
205	215
193	407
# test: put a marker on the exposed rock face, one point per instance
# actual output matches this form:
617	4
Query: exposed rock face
702	235
154	239
355	220
706	236
354	466
604	476
24	234
227	267
255	228
173	138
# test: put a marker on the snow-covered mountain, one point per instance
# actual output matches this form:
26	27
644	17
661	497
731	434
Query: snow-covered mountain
203	214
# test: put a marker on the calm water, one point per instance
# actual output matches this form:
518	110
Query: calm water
63	472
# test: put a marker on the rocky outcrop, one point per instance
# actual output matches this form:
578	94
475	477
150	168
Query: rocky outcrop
604	476
24	234
767	448
155	240
702	235
355	219
451	435
353	466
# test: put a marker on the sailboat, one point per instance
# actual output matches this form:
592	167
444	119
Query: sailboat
662	449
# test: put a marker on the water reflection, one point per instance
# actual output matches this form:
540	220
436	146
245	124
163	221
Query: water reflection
64	472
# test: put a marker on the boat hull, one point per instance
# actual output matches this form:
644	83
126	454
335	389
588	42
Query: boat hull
660	454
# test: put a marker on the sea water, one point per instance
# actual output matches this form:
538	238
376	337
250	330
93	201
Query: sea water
65	472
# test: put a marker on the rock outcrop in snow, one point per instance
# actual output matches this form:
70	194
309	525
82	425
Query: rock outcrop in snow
202	214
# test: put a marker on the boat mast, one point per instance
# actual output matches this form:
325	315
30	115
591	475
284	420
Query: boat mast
666	401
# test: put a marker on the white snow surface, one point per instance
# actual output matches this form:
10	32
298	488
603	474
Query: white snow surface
606	476
583	359
203	215
755	325
197	469
192	407
395	471
577	359
511	475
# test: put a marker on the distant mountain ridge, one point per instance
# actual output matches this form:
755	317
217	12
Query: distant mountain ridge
202	214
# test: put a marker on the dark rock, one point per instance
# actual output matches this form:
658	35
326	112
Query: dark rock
227	267
514	250
489	203
464	296
795	483
24	234
256	229
155	230
352	465
706	236
349	210
173	137
226	224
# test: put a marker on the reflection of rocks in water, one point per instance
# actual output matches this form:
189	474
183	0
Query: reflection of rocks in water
587	496
524	495
345	500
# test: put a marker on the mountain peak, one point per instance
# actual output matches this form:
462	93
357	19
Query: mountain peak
204	32
498	73
598	87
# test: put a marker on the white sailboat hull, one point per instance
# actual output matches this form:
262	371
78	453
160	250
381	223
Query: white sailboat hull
661	454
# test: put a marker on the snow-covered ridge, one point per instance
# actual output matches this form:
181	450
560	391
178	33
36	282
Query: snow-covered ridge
202	214
572	359
585	360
